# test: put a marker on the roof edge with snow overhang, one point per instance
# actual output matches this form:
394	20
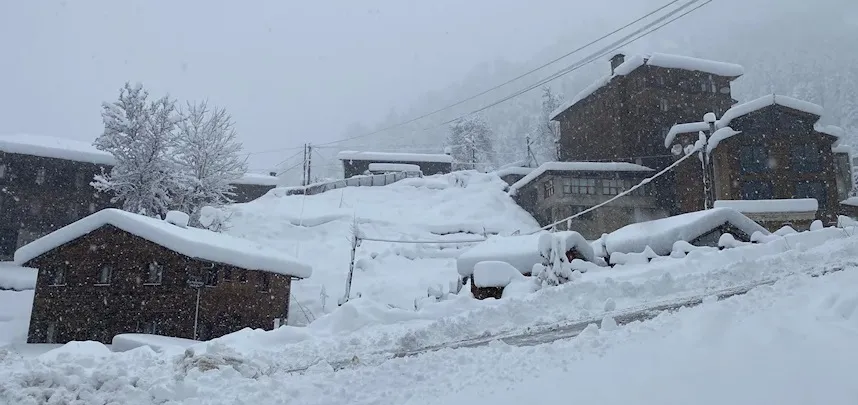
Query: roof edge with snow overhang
192	242
770	206
851	201
395	157
577	167
256	179
662	60
56	148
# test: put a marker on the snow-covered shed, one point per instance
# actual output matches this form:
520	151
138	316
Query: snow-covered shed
116	272
700	228
773	214
251	186
357	163
55	148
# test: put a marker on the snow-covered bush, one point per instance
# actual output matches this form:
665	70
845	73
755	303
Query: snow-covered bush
553	247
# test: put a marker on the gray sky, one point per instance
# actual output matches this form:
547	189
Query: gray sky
288	71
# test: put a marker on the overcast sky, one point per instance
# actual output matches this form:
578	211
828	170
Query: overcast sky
288	71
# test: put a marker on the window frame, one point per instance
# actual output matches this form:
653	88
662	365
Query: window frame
612	186
58	273
264	284
663	105
159	280
548	188
211	276
752	152
41	175
799	161
100	276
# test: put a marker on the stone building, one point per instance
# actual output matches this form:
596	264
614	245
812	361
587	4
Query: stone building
765	149
114	272
557	190
357	163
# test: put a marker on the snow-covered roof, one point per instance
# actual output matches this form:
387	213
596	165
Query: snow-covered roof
661	234
520	251
832	130
57	148
578	167
394	157
393	167
739	110
718	136
191	242
841	148
851	201
770	206
258	179
686	128
655	59
521	171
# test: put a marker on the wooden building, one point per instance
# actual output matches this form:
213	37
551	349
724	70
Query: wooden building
44	185
252	186
625	115
115	272
357	163
768	148
557	190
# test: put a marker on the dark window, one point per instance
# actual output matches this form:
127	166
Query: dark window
754	159
211	276
58	275
805	158
811	189
757	190
582	186
586	217
155	273
104	275
264	281
151	327
612	187
40	176
548	188
663	105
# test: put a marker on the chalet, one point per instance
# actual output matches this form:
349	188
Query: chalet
45	185
116	272
557	190
357	163
768	148
701	228
625	115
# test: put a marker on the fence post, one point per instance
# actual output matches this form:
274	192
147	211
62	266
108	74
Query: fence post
351	269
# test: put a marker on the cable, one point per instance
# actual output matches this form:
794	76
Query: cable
516	78
290	157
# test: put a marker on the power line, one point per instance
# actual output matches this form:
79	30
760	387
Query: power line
514	79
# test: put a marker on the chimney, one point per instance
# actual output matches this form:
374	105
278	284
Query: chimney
617	60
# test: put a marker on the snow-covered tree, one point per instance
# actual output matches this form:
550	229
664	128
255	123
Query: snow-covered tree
139	134
209	153
547	133
470	142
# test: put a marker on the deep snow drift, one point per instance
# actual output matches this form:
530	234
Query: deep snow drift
316	229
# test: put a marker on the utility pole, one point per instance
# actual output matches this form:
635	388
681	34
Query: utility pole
710	119
530	156
309	162
304	171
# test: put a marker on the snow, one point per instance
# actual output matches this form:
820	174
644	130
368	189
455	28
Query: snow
739	110
832	130
816	225
129	341
710	118
689	127
394	157
51	147
770	206
495	274
14	277
841	148
720	135
567	240
76	350
393	167
655	59
661	234
192	242
520	251
852	201
258	179
15	309
521	171
177	218
577	167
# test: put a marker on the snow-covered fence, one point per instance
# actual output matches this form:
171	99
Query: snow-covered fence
357	181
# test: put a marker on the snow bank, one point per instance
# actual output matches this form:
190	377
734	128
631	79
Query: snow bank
661	234
521	252
686	128
495	274
739	110
259	179
394	157
128	341
770	206
577	167
192	242
393	167
86	349
13	277
720	135
57	148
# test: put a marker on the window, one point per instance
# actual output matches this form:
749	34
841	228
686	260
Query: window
612	187
51	333
40	176
811	189
155	273
756	190
567	186
754	159
2	171
659	80
58	276
548	189
104	275
704	85
805	158
662	105
151	327
264	282
582	186
211	276
80	179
